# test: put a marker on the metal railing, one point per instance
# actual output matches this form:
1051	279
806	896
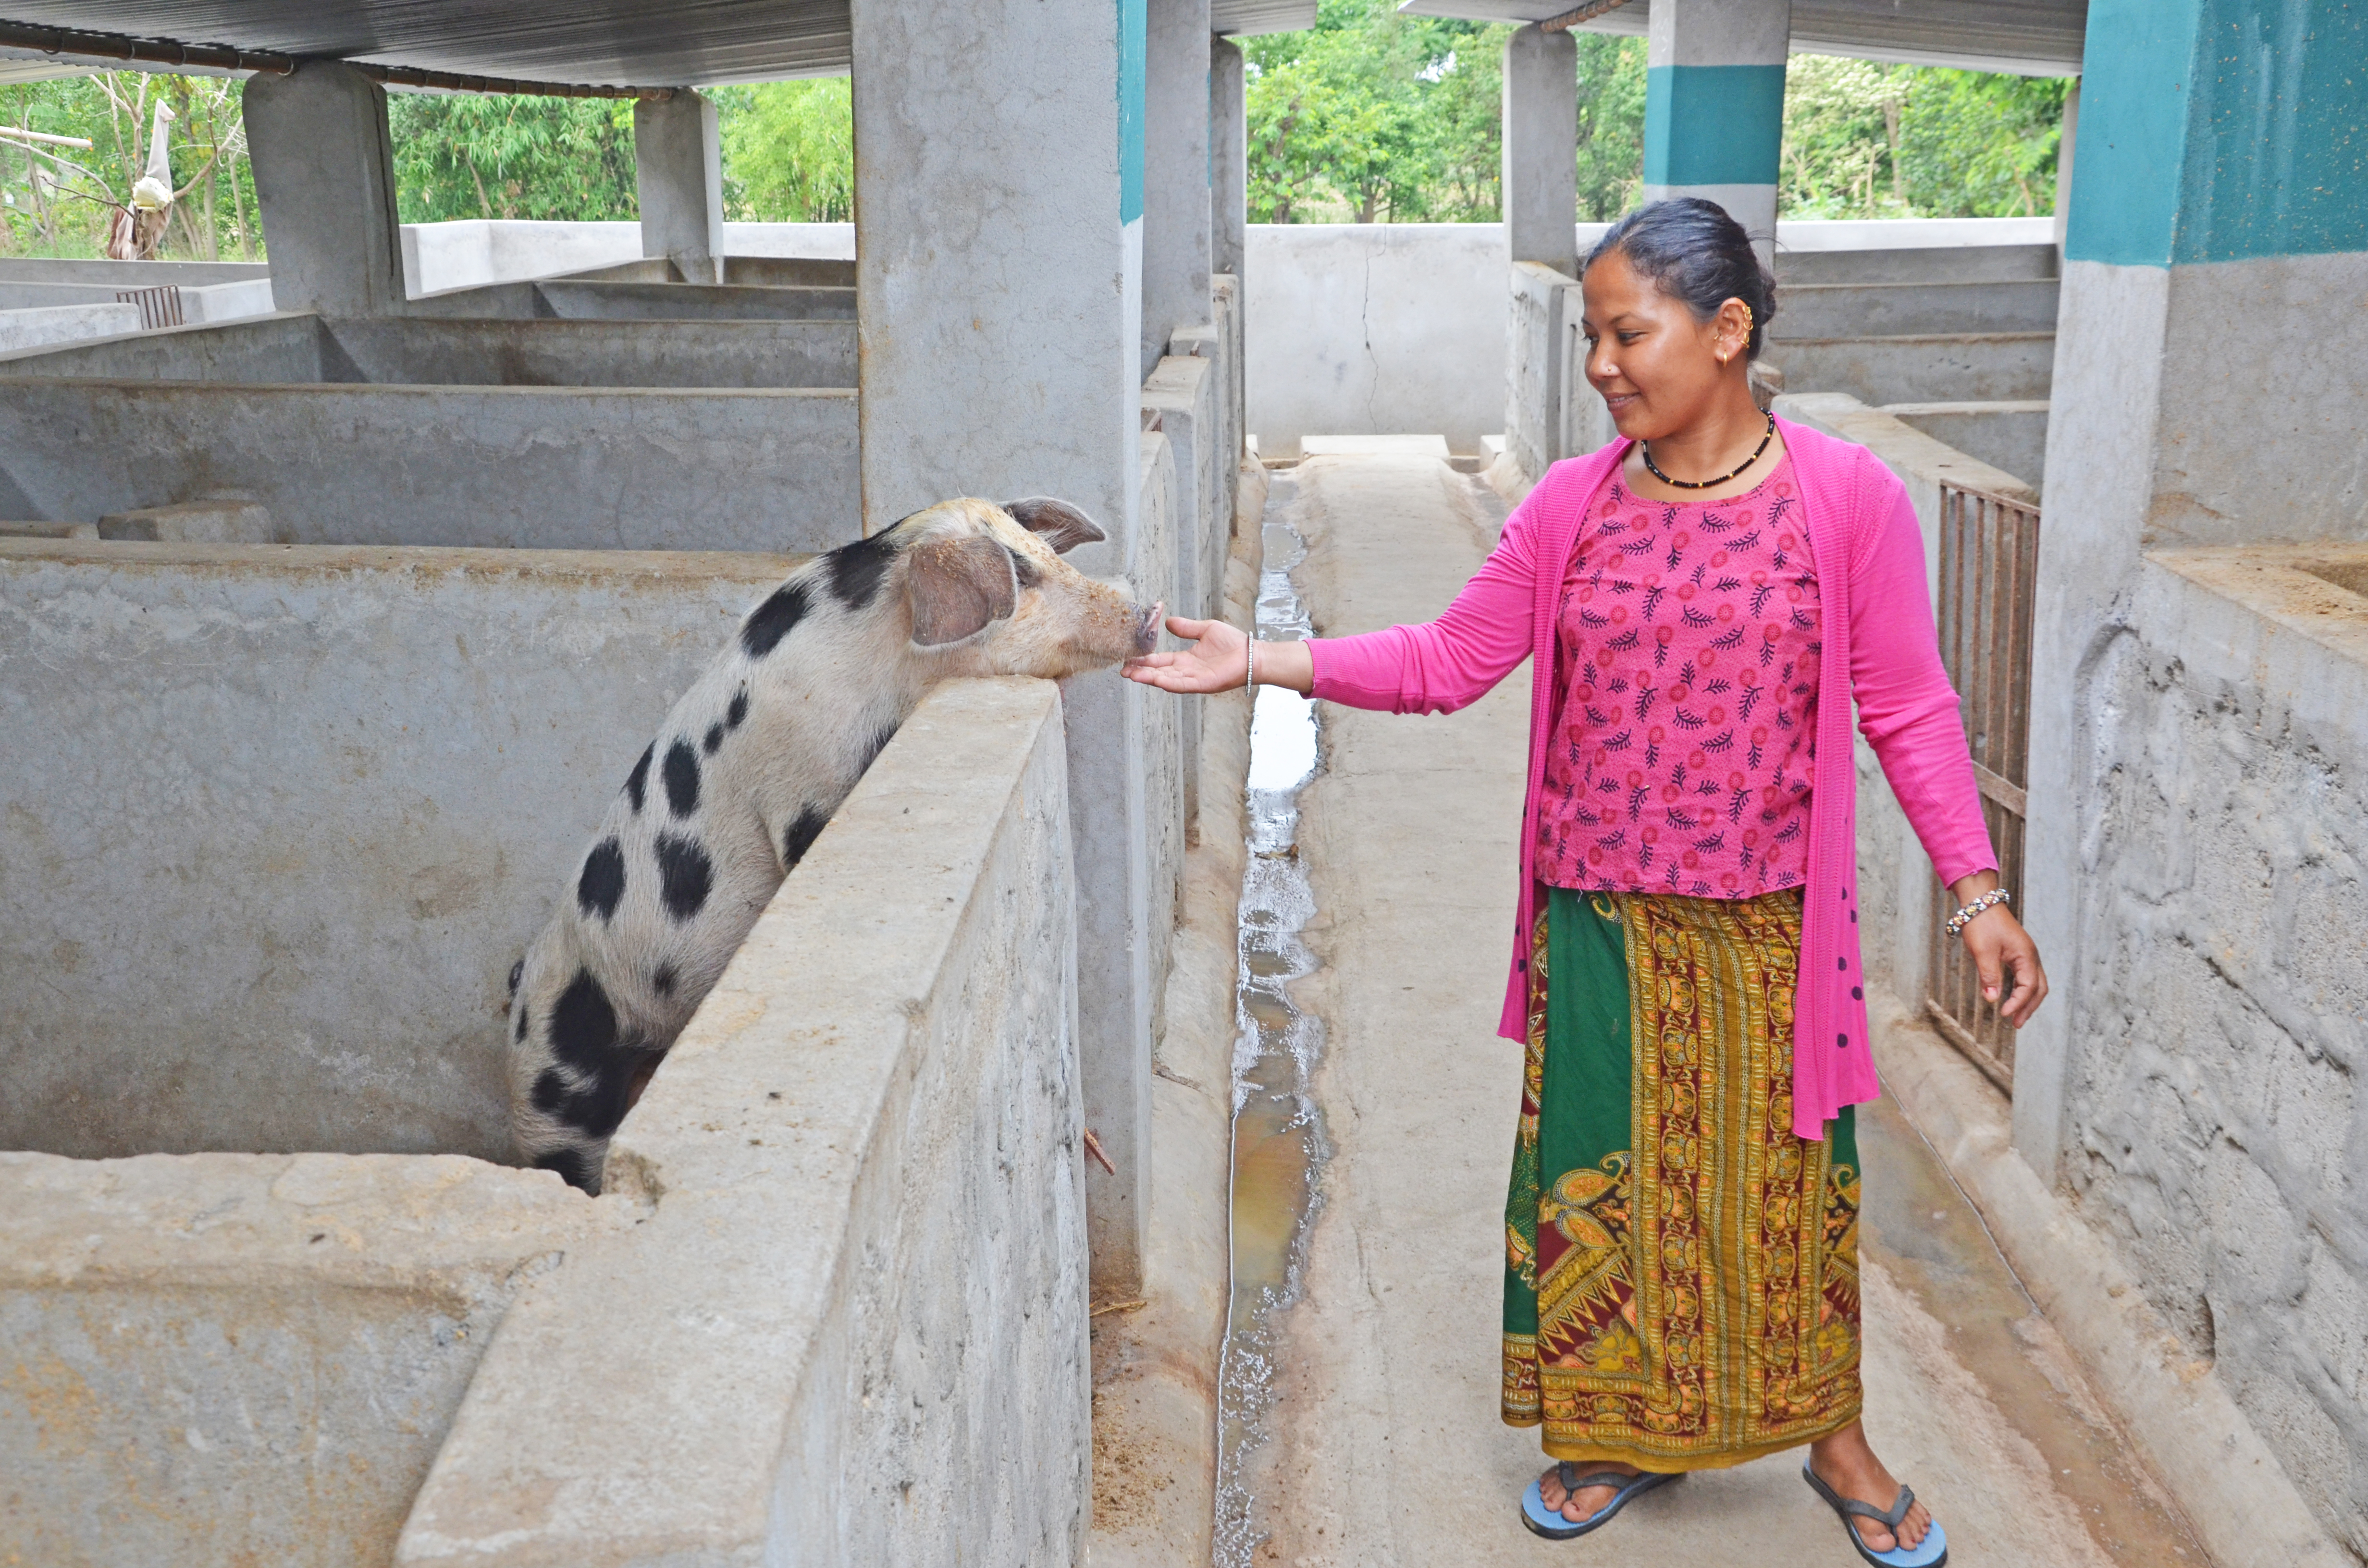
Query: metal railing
1989	558
160	306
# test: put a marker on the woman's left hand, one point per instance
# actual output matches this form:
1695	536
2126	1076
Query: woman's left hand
1999	946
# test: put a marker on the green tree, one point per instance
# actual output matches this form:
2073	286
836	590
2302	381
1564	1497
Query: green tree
57	200
1374	116
511	155
1611	125
1869	141
788	151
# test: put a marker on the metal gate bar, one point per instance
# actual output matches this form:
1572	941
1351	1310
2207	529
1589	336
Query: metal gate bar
1989	558
160	306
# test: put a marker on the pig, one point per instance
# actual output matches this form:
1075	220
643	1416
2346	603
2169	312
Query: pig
748	768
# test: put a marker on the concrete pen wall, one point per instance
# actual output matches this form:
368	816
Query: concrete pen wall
851	1327
276	822
573	468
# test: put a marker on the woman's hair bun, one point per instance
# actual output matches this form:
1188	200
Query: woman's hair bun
1693	252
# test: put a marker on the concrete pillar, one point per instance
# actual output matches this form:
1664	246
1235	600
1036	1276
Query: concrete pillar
2064	147
325	180
1176	174
1541	148
2217	186
1229	184
679	176
998	215
1714	106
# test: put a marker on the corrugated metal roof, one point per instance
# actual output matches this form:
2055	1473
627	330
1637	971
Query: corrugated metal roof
2032	37
644	43
1241	18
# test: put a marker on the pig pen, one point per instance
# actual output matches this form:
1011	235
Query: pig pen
275	822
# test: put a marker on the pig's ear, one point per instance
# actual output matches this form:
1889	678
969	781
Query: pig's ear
1057	523
956	586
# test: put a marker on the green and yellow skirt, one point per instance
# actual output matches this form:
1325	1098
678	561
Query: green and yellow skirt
1680	1271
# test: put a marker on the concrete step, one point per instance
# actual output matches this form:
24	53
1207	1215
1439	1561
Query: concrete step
1937	264
684	301
2010	436
1862	310
1983	367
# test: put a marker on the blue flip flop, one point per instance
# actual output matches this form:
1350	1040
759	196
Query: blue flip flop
1549	1522
1932	1551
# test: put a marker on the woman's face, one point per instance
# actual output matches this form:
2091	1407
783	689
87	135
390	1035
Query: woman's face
1658	368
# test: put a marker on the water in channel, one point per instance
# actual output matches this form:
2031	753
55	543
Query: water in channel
1279	1144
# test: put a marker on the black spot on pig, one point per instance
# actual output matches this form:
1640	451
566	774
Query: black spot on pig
584	1025
519	1033
661	980
857	570
603	882
683	875
637	782
800	835
594	1107
714	739
574	1165
518	972
681	776
738	710
774	619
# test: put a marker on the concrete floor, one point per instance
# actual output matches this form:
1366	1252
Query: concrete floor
1385	1447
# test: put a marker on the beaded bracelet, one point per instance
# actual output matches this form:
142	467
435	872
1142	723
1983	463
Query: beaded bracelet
1249	682
1964	916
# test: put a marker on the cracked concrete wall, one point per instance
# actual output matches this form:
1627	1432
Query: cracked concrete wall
851	1326
2213	1122
2197	832
222	1359
276	822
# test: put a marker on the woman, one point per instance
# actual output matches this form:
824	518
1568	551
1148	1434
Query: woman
1703	599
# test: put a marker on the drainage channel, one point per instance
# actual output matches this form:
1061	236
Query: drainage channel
1279	1143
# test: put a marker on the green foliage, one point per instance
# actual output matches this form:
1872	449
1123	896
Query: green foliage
54	201
511	155
1869	141
788	151
1374	116
1611	125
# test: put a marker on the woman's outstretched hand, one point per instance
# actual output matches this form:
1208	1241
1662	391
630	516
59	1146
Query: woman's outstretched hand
1218	659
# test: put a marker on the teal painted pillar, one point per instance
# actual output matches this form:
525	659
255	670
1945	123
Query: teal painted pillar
1714	106
2208	391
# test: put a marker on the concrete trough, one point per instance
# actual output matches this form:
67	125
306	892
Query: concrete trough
637	300
457	351
736	355
554	467
237	1358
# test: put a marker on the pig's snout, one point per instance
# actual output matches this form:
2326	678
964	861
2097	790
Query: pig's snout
1146	630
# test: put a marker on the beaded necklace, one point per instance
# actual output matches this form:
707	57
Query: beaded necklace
1735	472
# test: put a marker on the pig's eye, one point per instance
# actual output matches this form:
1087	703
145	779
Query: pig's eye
1023	569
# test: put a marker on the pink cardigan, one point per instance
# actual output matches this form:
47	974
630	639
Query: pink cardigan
1880	649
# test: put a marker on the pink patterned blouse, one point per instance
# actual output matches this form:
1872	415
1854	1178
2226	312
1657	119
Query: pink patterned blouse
1686	697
